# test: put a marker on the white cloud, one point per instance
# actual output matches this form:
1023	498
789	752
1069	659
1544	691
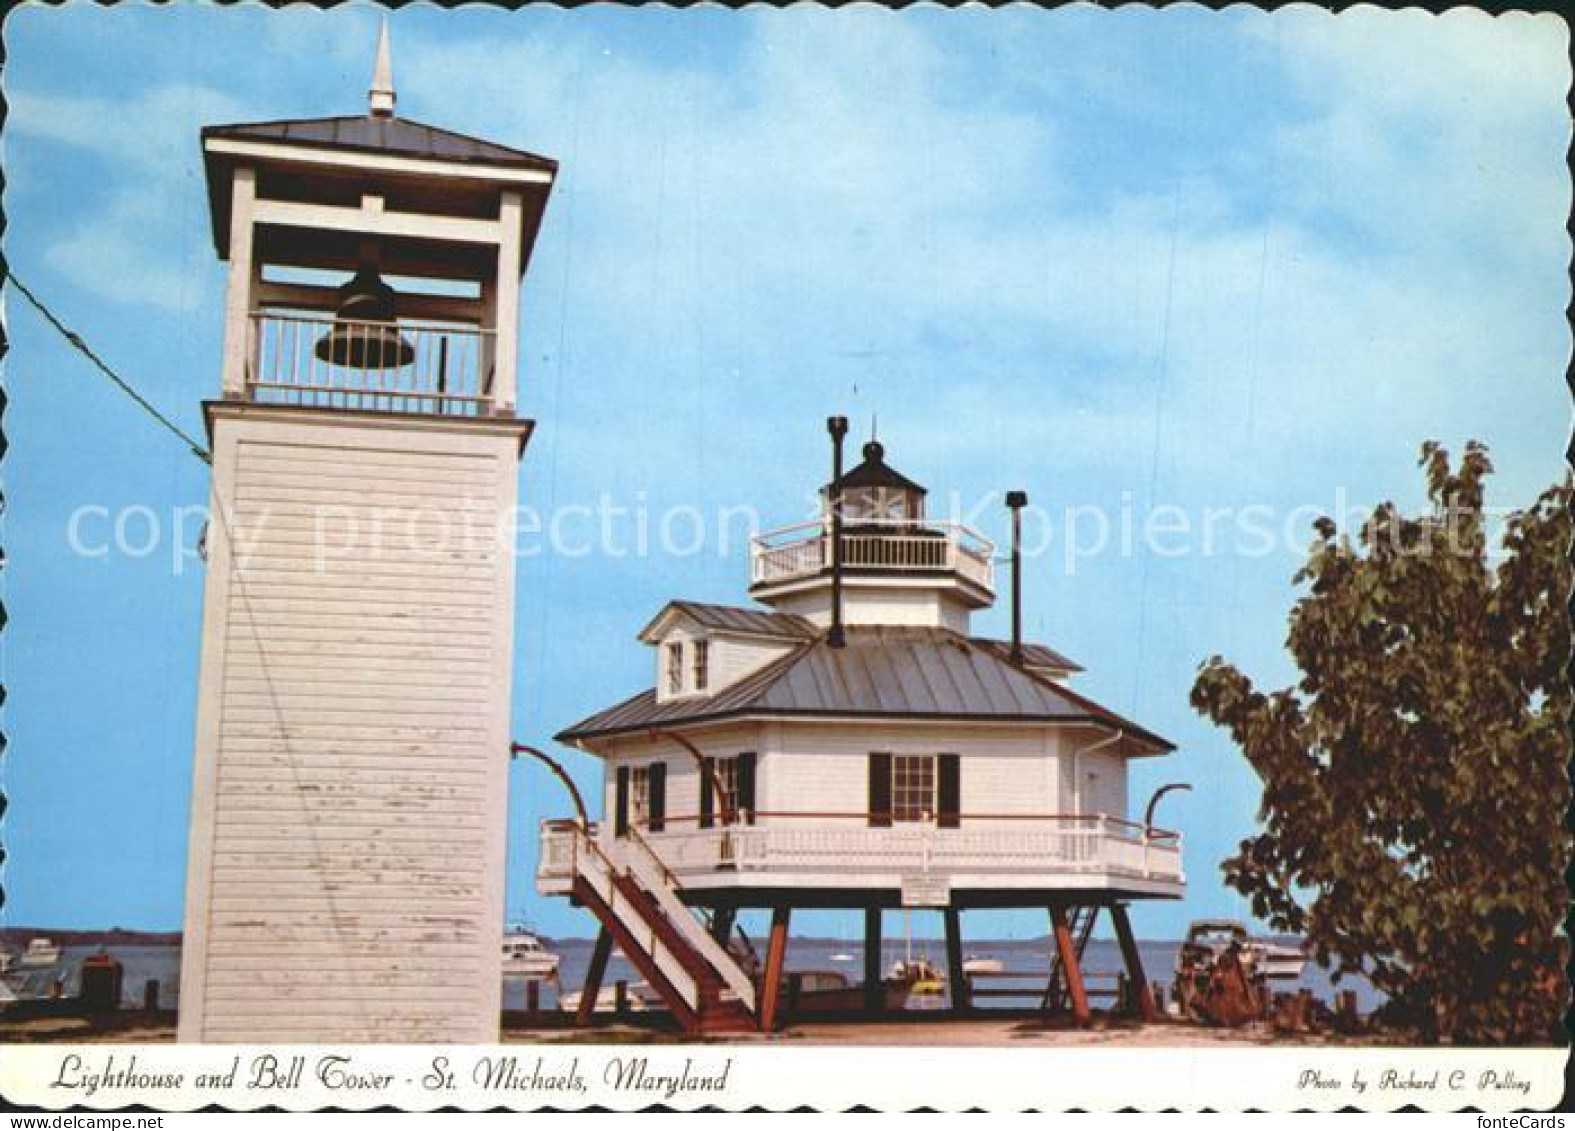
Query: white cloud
167	120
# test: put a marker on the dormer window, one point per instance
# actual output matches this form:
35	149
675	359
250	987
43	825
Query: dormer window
675	668
702	664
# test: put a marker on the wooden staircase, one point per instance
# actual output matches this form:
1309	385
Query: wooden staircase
636	899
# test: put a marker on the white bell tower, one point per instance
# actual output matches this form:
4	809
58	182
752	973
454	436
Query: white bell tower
345	881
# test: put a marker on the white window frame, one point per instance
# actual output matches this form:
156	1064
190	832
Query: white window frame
700	662
726	782
675	667
915	788
640	797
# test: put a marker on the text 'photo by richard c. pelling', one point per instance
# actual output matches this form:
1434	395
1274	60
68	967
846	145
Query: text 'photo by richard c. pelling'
627	557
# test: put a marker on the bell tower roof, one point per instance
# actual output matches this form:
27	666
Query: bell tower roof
412	165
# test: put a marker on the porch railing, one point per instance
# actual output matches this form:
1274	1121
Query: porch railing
449	371
1073	844
804	550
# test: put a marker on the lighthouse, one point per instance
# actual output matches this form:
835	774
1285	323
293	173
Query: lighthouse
346	861
855	745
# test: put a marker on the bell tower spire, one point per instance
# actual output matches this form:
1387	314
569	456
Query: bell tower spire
381	96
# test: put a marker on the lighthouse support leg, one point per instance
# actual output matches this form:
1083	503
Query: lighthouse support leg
874	989
593	977
956	978
776	954
1133	960
1070	969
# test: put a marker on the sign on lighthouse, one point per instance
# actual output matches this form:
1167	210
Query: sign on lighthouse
346	861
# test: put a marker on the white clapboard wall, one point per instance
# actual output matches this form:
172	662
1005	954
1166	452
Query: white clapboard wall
349	808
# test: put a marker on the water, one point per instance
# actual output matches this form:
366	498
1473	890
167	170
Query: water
1159	962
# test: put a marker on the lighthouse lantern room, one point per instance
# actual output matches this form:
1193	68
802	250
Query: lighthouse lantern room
345	878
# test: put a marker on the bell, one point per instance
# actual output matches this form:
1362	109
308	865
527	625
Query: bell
364	335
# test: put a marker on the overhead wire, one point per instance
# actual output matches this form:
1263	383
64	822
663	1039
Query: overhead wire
103	367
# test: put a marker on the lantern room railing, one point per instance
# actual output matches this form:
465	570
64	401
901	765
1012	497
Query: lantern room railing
794	552
409	366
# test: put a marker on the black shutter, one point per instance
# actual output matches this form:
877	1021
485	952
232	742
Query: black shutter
621	802
658	797
880	791
707	792
948	790
746	787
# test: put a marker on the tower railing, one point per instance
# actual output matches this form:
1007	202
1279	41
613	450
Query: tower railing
448	372
903	546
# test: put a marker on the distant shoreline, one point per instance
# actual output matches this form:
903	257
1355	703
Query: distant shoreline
17	937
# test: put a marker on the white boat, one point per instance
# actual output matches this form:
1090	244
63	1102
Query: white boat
1279	962
982	964
842	956
1207	939
41	952
525	956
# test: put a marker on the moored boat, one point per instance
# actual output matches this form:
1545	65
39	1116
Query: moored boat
982	964
41	952
525	956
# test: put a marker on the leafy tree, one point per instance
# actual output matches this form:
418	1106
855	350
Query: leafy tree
1414	780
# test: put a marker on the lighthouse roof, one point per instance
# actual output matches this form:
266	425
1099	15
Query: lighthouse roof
883	673
875	472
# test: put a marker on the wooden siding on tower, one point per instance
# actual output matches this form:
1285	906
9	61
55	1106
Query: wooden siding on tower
350	807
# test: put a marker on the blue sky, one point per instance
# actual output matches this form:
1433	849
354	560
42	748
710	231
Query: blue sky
1116	258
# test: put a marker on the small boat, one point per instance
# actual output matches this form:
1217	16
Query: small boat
524	956
41	952
842	956
924	979
982	964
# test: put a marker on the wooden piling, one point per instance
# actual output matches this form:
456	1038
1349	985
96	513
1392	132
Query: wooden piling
874	989
776	954
593	977
1071	970
1133	960
958	980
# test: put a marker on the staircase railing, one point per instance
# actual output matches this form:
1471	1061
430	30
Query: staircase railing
598	871
656	878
